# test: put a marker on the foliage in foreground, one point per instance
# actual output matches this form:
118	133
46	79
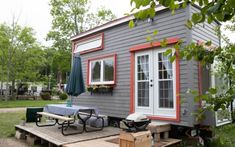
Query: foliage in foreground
213	10
221	58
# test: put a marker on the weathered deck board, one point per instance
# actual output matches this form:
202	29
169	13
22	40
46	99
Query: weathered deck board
167	142
95	143
53	135
114	142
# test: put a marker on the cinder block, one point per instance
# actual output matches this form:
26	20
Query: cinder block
32	140
20	135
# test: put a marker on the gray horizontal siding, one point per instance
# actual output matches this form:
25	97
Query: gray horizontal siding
119	39
201	32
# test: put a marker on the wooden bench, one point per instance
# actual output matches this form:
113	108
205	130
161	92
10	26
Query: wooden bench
63	118
66	121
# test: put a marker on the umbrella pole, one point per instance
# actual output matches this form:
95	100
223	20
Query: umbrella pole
71	100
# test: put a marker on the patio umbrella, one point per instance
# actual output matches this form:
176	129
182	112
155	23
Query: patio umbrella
75	85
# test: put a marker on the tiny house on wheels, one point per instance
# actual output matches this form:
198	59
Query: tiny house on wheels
125	73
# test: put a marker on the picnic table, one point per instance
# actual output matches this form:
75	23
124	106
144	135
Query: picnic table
69	115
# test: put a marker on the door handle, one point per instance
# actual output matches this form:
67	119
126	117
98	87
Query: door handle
151	85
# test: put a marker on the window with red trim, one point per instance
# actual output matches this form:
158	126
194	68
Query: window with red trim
90	44
102	70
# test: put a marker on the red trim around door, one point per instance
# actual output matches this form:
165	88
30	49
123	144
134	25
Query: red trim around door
132	76
132	83
153	44
102	57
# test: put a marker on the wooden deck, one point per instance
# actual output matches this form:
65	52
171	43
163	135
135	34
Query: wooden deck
102	142
53	135
113	141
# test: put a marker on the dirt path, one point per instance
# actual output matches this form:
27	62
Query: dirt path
12	142
5	110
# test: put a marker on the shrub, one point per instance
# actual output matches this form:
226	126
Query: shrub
233	115
63	96
45	95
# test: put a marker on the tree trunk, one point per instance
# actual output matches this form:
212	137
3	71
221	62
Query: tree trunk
1	90
13	95
59	77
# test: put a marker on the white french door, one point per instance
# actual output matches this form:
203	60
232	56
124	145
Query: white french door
155	84
143	82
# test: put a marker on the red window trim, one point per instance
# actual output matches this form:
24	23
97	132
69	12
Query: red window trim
87	38
132	75
98	58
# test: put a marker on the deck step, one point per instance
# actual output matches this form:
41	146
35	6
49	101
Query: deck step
159	129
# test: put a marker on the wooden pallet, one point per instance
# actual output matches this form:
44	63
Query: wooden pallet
51	136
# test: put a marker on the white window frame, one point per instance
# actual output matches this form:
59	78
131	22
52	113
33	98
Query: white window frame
141	109
153	109
160	111
102	82
224	121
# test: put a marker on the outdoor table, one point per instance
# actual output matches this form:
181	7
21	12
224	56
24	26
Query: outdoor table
63	110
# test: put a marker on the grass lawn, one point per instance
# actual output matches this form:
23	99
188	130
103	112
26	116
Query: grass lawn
27	103
226	135
7	122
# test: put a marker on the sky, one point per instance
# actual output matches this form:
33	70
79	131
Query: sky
36	14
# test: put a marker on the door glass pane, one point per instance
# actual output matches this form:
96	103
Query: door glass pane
143	94
143	67
143	80
166	94
95	71
165	80
108	69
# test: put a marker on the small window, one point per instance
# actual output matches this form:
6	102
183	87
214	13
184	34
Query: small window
102	70
90	44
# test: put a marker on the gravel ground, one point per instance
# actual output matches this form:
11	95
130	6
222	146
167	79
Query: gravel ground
12	142
5	110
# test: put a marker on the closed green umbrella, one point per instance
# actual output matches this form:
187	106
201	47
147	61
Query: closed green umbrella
75	85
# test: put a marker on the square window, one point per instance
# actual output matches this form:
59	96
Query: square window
102	71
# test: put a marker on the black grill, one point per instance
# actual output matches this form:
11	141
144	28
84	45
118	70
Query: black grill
134	126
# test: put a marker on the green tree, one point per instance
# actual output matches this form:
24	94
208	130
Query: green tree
20	53
4	43
71	17
214	10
